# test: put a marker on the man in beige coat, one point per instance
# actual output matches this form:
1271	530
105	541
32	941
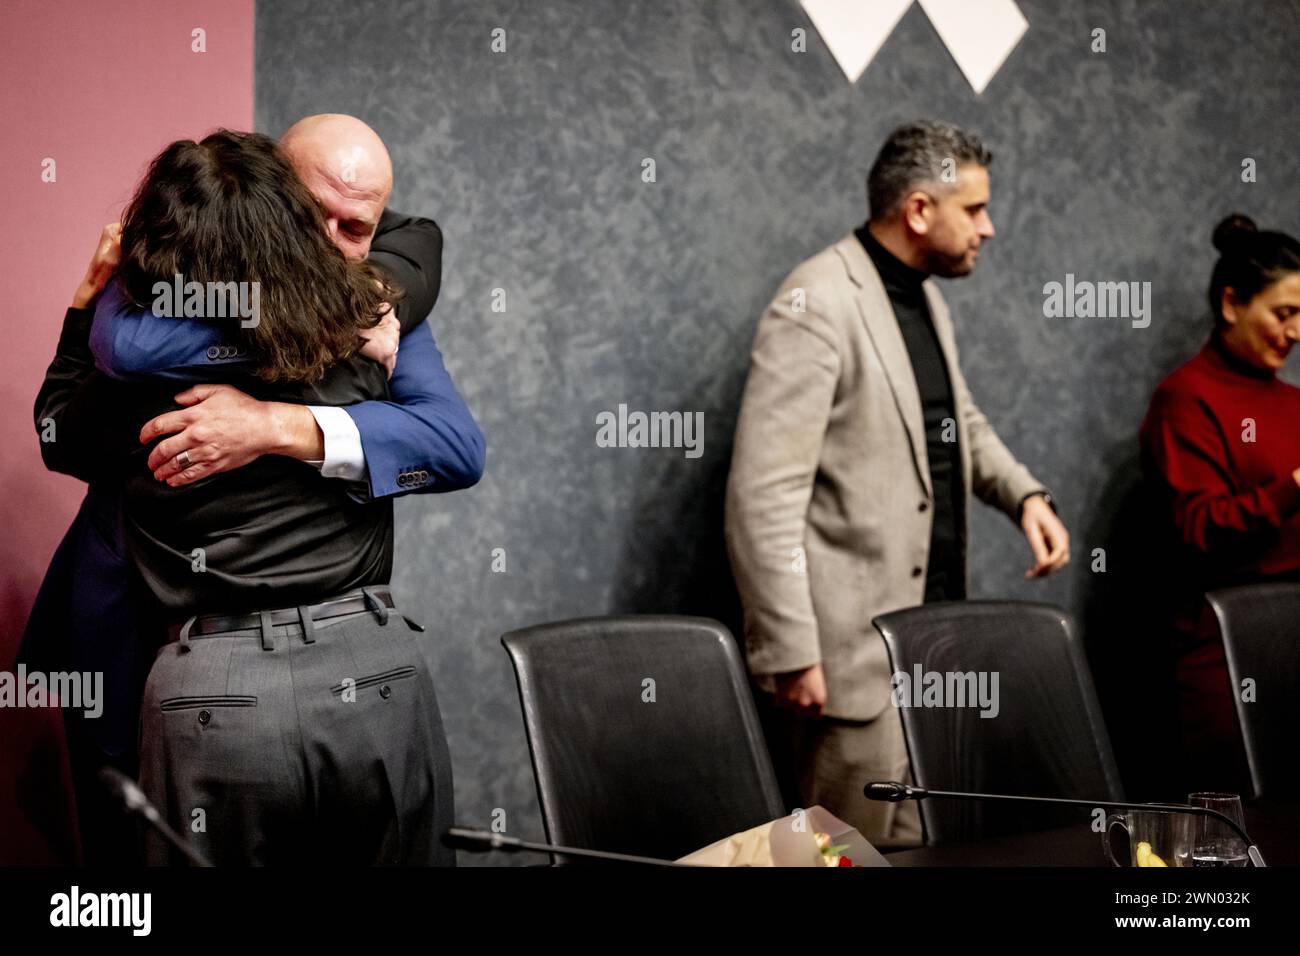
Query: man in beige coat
857	449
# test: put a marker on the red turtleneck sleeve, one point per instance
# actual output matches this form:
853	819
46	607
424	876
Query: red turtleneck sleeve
1221	442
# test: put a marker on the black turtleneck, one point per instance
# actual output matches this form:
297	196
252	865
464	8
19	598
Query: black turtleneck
945	578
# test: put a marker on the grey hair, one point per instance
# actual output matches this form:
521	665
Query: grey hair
914	156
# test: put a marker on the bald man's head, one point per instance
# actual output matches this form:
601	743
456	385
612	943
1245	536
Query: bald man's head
346	166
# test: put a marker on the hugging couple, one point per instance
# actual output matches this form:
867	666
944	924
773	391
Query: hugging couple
228	570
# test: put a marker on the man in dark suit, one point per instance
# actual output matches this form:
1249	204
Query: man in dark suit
422	440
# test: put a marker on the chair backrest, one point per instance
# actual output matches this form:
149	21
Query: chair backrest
643	733
1023	666
1260	624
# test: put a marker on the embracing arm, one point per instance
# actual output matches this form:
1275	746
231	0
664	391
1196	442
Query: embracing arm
409	249
76	436
226	427
425	440
130	343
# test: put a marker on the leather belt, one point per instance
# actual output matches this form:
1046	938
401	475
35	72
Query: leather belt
378	599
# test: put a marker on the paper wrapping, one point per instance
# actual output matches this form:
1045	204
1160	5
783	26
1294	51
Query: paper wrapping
789	841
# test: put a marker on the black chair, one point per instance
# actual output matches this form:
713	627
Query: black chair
655	769
1046	739
1260	624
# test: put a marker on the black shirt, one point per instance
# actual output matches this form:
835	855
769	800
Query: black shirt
945	578
274	533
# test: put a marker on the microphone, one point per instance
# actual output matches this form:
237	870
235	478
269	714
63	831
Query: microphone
134	801
482	841
892	791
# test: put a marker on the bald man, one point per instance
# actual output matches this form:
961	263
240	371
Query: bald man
347	168
421	440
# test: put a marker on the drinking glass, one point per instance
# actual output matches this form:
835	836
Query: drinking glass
1214	843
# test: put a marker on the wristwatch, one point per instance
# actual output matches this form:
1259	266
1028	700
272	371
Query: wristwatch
1040	493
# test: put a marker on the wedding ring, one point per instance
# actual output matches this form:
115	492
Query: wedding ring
183	460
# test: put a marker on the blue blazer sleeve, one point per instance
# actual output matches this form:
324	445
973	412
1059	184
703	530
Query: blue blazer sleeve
130	343
425	440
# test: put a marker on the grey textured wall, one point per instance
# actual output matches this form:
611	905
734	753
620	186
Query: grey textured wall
1113	167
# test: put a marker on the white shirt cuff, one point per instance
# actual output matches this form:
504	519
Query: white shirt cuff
344	456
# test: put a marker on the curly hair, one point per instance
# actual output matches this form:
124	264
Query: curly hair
231	208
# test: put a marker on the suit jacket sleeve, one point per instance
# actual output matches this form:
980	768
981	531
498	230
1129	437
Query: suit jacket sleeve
997	479
431	446
794	370
77	435
130	343
409	249
426	440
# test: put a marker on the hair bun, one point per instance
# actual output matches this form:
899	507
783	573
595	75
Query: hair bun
1232	231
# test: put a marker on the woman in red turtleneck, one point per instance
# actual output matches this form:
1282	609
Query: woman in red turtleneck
1221	448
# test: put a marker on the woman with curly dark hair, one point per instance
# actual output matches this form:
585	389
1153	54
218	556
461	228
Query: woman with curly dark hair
230	209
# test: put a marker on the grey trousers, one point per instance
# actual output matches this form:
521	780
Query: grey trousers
329	750
836	758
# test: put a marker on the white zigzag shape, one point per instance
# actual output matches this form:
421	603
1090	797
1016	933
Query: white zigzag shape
980	34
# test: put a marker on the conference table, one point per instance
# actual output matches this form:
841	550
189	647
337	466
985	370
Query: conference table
1275	827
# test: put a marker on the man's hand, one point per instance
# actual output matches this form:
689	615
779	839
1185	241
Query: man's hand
102	266
803	691
1047	537
222	428
383	340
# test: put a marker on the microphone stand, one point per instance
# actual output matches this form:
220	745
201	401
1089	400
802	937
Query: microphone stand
481	841
134	800
893	792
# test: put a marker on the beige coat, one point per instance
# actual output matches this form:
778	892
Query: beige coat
829	503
